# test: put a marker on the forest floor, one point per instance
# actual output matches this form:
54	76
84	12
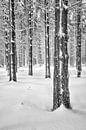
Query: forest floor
27	103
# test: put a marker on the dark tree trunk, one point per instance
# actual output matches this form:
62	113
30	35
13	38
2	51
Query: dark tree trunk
56	88
78	47
30	37
47	53
13	44
10	75
85	52
61	90
65	76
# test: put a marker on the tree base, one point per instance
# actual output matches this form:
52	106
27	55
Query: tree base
47	76
79	74
68	106
66	99
55	107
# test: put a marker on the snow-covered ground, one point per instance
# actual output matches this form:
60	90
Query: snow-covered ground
26	104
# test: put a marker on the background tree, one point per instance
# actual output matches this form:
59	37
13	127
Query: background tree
13	44
78	47
47	51
30	36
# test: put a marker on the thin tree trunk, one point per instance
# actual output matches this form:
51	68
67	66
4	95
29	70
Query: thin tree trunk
30	37
10	75
56	88
39	52
23	56
6	48
85	52
13	44
47	51
78	47
6	55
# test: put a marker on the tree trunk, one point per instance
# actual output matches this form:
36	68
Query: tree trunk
24	56
47	53
65	76
56	88
6	53
30	36
61	91
39	52
10	75
13	44
85	52
78	47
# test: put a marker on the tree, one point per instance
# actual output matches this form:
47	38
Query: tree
6	49
30	36
56	88
6	26
61	90
10	75
78	46
65	75
47	52
85	52
13	44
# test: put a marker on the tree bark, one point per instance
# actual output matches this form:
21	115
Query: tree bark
56	80
10	75
6	55
61	78
13	44
85	52
78	46
30	37
47	51
65	76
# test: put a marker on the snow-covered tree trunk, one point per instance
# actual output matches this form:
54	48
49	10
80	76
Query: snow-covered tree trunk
61	78
65	76
56	82
78	46
47	52
13	44
30	36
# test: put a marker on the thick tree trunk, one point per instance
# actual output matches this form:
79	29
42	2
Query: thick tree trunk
61	78
56	88
47	53
30	37
13	44
78	47
65	76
